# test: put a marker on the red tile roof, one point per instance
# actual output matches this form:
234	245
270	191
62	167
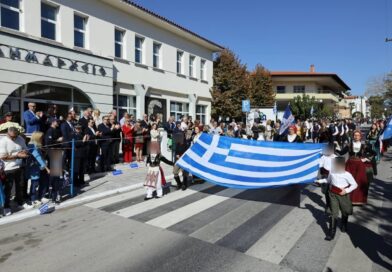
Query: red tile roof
171	22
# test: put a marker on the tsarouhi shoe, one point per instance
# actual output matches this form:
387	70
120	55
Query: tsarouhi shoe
179	183
332	230
344	224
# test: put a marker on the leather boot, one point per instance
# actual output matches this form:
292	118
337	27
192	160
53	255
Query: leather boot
185	183
332	230
344	224
178	181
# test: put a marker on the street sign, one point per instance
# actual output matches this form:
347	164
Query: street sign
245	105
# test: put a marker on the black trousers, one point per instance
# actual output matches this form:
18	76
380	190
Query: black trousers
115	151
17	177
105	162
91	157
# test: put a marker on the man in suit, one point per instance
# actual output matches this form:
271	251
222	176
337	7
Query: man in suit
92	145
105	144
67	130
87	115
32	119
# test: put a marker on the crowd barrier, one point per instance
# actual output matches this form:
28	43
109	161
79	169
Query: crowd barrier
56	156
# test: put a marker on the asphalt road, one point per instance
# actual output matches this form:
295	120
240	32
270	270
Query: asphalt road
206	228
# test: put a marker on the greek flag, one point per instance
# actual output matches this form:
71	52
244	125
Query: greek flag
387	134
275	109
288	120
249	164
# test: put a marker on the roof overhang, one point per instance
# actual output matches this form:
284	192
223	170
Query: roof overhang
333	79
162	22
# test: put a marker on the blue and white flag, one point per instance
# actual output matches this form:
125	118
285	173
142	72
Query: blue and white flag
311	111
287	121
248	164
275	109
387	134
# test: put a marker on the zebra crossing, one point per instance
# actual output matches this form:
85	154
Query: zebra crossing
265	224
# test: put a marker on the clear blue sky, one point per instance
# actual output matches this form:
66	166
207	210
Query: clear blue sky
346	37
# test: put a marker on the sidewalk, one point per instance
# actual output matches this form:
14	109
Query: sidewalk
100	186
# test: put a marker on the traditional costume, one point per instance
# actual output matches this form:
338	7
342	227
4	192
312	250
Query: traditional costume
357	167
155	178
292	138
326	162
341	184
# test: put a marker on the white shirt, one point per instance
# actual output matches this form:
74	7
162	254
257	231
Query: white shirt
122	121
9	147
326	162
154	135
184	126
342	180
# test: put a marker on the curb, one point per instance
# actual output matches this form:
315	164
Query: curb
73	202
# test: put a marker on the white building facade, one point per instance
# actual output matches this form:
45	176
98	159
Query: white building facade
107	54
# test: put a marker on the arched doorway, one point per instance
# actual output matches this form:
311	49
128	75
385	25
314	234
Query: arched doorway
45	94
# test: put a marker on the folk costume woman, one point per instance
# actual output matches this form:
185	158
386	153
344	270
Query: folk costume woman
155	178
357	167
292	137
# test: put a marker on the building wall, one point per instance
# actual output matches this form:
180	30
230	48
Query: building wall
16	73
139	80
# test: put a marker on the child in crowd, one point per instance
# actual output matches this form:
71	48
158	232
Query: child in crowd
341	184
2	195
36	164
155	178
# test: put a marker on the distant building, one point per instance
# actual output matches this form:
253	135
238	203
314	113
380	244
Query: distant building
326	88
105	54
354	104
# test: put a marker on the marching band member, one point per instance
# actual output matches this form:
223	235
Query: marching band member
341	185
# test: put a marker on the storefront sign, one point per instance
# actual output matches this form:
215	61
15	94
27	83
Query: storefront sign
30	56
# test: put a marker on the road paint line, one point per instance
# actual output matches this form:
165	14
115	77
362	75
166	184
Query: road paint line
152	204
277	242
115	199
189	210
222	226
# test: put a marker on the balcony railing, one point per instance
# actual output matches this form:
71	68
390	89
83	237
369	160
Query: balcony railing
318	95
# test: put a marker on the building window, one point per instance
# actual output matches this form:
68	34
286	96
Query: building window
139	41
180	56
9	14
203	70
48	21
299	89
178	110
80	31
280	89
201	113
192	66
118	43
124	104
156	58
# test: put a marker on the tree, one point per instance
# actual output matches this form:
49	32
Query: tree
301	106
230	85
379	91
376	106
260	87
